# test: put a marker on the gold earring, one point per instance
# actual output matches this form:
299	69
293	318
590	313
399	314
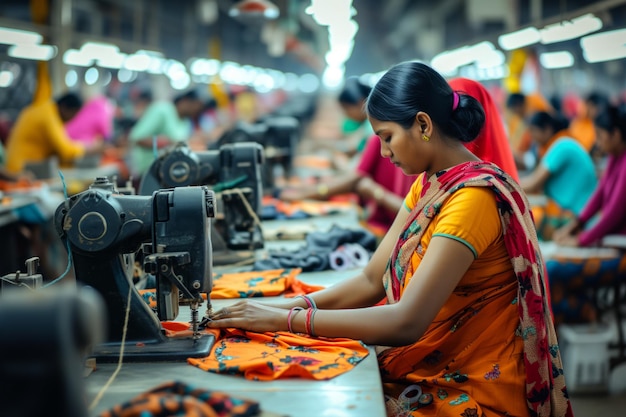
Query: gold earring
425	138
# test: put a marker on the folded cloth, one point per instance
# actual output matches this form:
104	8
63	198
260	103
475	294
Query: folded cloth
251	284
179	399
277	355
274	208
314	256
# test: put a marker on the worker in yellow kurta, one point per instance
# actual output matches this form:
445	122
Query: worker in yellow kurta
39	134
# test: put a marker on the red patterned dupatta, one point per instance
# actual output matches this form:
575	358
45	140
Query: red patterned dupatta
546	394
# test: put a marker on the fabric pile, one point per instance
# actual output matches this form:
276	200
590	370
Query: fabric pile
179	399
315	255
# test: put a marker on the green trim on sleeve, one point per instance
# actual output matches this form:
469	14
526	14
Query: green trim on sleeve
458	239
406	206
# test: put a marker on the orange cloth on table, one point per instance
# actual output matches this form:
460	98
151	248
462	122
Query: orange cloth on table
492	143
310	207
276	355
251	284
261	284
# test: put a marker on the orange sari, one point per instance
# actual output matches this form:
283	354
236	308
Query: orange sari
492	349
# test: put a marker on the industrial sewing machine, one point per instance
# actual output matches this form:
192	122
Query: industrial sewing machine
173	226
233	172
279	137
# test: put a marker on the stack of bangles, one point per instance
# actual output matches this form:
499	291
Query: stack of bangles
310	314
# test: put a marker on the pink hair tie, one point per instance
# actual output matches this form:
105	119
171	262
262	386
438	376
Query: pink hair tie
455	100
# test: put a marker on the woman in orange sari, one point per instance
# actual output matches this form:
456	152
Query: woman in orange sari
466	329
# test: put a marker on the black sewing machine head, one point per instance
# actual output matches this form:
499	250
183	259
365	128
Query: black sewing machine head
103	229
233	171
279	137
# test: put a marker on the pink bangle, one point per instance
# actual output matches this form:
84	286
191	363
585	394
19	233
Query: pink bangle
307	322
292	313
309	301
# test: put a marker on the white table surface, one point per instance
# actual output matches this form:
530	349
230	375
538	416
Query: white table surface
355	393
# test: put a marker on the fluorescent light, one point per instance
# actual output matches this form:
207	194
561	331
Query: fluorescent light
91	76
124	75
6	78
448	62
19	37
573	29
263	83
113	60
181	82
333	77
33	51
605	46
71	78
137	62
96	50
519	39
76	58
553	60
308	83
491	59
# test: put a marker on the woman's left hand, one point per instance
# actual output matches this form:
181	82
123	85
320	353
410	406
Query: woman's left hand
567	240
249	315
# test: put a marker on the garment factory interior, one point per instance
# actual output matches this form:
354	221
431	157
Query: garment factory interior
312	208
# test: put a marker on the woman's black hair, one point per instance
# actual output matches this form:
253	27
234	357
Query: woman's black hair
411	87
542	120
612	118
354	91
515	99
70	101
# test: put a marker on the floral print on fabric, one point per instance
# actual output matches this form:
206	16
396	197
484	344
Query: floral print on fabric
269	356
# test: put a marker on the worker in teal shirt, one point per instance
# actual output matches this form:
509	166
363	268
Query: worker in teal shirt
165	122
566	173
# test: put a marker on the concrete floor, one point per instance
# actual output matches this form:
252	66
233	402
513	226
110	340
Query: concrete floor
599	405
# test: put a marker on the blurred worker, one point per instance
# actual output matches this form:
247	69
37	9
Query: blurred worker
379	184
582	126
356	129
565	174
519	107
93	122
39	134
162	124
609	198
492	144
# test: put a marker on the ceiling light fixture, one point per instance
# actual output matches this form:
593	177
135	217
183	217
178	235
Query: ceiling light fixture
605	46
254	10
554	60
573	29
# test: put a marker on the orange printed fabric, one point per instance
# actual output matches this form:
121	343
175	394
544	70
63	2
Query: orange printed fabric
276	355
179	399
268	283
311	207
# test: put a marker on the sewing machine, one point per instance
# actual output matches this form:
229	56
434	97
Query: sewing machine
279	137
101	227
233	172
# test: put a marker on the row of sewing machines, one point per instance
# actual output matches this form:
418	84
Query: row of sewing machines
190	207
